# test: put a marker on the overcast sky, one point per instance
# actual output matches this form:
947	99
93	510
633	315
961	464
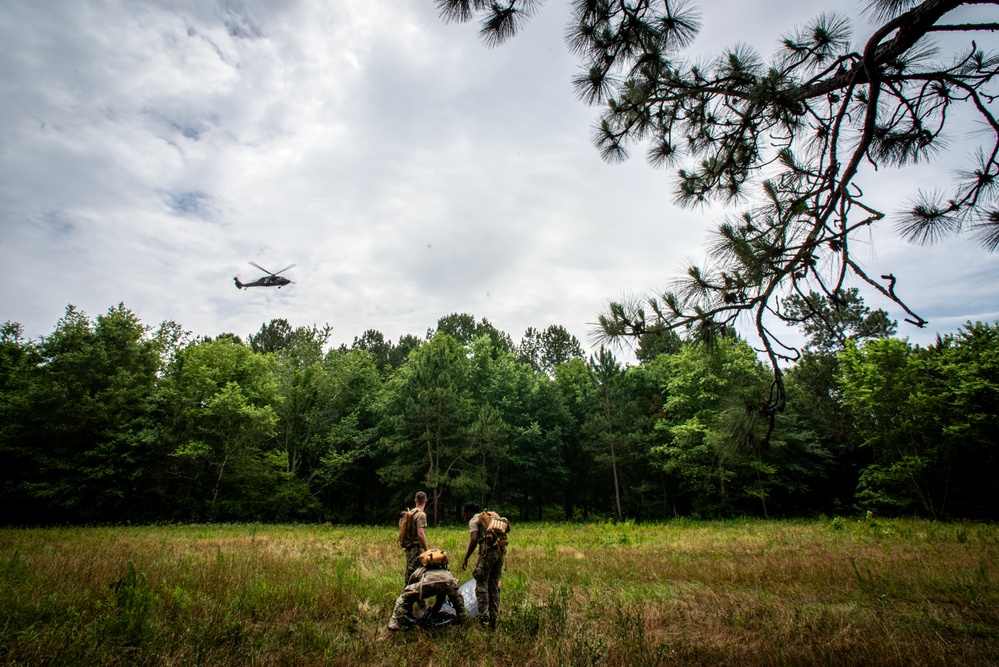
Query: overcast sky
150	150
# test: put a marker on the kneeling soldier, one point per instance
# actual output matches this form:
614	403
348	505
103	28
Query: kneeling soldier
430	579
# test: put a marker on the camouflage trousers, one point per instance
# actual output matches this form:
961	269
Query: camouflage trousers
416	591
412	553
488	571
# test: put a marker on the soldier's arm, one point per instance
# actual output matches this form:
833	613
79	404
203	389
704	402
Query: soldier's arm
473	542
421	535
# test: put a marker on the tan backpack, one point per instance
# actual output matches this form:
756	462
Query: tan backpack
408	532
494	528
433	558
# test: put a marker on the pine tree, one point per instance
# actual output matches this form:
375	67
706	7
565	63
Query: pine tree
789	135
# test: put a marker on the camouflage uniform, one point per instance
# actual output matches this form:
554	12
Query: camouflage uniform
426	583
412	553
488	571
413	549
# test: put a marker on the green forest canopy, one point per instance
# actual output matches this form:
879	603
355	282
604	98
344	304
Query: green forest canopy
108	420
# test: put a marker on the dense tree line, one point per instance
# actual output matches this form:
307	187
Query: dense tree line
109	420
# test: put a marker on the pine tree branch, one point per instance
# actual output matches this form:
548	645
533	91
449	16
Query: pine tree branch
911	27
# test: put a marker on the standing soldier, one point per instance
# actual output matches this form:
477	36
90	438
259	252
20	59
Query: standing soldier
413	533
487	532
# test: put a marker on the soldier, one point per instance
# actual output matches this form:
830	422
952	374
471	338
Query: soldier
431	579
488	566
413	533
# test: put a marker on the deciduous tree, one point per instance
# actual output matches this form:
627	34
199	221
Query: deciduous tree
928	417
81	401
218	425
711	464
429	410
544	350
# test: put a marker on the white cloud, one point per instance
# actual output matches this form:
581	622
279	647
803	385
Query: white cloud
149	151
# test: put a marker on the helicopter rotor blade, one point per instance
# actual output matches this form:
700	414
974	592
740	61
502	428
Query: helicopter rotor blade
261	268
290	266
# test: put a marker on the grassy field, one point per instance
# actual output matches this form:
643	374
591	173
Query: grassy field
840	592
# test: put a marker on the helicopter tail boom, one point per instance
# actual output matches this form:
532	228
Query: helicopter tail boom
239	285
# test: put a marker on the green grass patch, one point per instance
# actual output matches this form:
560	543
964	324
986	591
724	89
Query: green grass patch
747	592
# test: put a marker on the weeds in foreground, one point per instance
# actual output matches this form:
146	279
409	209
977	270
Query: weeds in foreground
839	592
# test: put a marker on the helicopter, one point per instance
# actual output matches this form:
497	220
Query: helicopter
270	280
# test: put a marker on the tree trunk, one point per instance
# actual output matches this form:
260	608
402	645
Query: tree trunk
610	436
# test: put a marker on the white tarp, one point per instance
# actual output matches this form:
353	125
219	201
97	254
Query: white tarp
447	615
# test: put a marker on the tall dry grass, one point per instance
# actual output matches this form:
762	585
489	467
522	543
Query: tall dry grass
750	592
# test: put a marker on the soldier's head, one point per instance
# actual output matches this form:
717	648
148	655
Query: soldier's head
421	499
470	509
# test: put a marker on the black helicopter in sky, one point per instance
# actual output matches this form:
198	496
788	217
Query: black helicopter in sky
270	280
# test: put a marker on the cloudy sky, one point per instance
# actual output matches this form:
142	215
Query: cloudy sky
150	150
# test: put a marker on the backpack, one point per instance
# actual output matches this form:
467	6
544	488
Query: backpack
408	534
433	558
494	528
